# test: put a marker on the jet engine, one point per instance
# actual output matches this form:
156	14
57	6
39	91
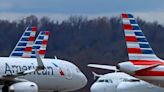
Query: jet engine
127	67
22	87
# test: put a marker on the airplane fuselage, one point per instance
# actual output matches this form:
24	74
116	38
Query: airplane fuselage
154	75
58	75
121	82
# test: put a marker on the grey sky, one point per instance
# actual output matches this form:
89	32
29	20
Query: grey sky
150	10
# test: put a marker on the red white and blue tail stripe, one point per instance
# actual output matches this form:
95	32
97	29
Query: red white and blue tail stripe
139	50
24	45
40	44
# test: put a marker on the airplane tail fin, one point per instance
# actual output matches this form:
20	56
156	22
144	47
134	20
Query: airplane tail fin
24	45
139	50
40	44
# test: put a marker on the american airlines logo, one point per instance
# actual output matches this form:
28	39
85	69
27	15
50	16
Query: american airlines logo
49	70
60	70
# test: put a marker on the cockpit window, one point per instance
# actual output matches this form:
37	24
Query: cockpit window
105	80
109	81
100	80
78	70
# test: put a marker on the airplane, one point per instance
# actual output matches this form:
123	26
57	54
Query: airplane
122	82
143	62
39	74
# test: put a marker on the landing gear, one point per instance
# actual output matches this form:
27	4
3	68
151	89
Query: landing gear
5	88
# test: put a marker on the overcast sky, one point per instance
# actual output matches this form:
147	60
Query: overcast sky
150	10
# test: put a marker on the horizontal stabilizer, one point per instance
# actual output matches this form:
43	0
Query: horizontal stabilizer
148	68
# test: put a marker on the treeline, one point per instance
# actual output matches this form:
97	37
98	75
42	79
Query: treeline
82	40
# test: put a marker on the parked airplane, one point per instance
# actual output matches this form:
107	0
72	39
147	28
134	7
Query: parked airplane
143	63
33	74
121	82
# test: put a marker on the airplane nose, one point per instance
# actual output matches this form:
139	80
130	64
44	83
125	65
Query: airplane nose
84	80
96	87
80	81
102	87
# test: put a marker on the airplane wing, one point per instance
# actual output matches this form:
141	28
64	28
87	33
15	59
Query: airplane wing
107	67
113	68
38	68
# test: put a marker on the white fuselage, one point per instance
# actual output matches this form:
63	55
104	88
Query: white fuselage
121	82
58	75
154	75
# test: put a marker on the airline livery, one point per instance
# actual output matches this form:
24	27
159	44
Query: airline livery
122	82
26	46
26	70
143	63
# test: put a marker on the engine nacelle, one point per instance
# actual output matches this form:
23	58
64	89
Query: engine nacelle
23	87
127	67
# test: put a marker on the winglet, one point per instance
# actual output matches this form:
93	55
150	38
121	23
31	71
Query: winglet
95	75
39	61
55	57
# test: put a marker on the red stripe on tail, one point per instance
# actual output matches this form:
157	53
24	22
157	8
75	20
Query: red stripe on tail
146	62
44	42
124	15
127	27
131	38
42	52
29	49
47	33
31	38
134	51
34	29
